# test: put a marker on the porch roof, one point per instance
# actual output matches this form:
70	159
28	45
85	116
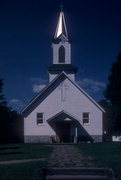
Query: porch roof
63	115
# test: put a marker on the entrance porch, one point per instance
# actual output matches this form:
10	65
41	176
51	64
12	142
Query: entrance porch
68	129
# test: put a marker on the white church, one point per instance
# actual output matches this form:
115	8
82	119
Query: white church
62	111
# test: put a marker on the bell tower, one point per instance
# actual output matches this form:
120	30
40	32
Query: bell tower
61	45
61	51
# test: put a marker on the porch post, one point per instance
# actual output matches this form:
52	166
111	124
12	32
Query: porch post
75	137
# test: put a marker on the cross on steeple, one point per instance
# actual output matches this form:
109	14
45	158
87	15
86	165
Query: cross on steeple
61	6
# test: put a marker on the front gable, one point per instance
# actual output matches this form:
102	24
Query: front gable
63	93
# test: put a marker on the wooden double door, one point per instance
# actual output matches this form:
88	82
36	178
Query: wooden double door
62	132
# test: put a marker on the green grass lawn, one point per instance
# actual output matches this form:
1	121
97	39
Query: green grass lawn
104	154
23	151
23	171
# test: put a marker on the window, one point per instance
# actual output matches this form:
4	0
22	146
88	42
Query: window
40	118
61	54
86	118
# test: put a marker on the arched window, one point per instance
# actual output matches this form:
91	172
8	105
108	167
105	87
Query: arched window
61	54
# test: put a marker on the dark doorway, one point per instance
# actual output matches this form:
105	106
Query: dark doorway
63	132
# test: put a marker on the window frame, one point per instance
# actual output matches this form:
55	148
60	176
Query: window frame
38	118
88	118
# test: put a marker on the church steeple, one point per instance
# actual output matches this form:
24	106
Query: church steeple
61	51
61	26
61	44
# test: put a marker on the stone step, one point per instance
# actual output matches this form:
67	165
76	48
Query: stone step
78	171
75	173
76	177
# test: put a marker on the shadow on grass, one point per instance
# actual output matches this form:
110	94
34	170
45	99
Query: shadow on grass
24	151
22	171
8	153
9	147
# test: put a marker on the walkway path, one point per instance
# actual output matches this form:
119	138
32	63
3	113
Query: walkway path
62	156
68	156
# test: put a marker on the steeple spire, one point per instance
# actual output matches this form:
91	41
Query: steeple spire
61	26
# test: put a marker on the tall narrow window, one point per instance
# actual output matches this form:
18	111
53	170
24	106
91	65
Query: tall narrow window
40	118
86	118
61	54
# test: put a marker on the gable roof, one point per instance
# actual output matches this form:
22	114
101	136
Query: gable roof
62	74
63	113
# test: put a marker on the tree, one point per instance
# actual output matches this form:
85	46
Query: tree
107	124
2	99
113	94
11	124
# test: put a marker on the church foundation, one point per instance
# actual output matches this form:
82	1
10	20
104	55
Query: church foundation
37	139
97	138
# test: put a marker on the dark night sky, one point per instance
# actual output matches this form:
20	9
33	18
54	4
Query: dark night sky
27	28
